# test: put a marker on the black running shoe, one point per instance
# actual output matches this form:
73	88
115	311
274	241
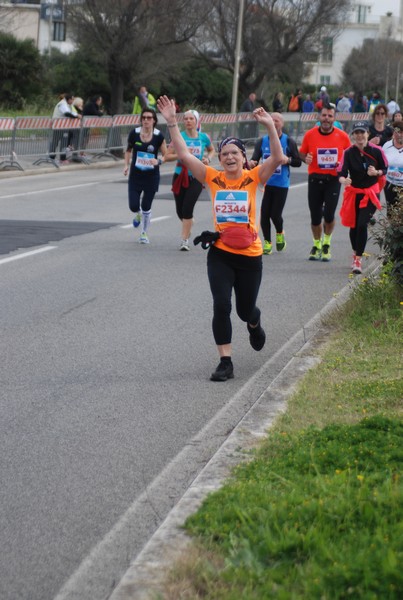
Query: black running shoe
257	337
224	371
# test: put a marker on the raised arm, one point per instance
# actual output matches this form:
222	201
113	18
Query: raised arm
168	111
267	168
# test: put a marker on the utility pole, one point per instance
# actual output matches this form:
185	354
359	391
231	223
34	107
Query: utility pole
387	82
238	47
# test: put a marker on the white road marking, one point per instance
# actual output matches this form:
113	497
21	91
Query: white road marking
152	221
297	185
56	189
25	254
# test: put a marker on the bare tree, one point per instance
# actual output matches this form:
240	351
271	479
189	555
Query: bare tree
278	36
135	39
9	21
374	66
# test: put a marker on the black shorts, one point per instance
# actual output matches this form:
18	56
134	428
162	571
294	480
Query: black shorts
323	196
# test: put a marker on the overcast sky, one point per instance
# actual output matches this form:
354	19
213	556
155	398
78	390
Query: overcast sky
381	7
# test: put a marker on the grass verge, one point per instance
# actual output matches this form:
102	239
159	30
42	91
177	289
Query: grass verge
317	513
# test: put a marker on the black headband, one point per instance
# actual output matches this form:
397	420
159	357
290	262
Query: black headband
236	142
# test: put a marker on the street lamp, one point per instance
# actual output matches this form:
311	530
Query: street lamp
238	47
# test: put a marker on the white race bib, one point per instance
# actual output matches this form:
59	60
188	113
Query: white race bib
231	206
143	161
395	175
278	169
327	158
195	148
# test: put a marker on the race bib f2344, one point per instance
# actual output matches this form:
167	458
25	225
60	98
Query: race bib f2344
231	206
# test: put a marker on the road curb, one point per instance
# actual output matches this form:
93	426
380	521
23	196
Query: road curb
144	578
51	169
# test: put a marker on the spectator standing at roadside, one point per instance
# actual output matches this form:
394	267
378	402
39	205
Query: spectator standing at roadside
322	149
351	98
74	136
144	99
343	105
324	95
276	188
63	109
374	101
278	105
379	131
362	166
93	107
295	102
359	106
78	105
249	104
308	106
392	107
141	157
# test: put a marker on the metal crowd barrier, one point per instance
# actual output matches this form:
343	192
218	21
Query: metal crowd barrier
7	144
38	140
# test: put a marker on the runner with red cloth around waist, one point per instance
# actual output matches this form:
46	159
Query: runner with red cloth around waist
362	171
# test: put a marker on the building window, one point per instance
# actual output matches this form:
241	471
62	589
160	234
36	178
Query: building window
324	80
362	11
327	50
59	31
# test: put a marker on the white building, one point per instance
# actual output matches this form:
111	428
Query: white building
43	21
372	20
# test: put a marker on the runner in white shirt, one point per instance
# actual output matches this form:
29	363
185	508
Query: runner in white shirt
394	176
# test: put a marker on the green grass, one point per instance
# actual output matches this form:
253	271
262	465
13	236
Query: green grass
317	514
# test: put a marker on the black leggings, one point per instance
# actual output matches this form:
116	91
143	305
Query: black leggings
273	202
186	199
142	191
359	234
227	271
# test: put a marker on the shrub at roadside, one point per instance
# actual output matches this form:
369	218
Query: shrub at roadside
388	234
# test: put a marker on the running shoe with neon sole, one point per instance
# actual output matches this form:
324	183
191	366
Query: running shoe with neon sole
144	238
281	244
356	267
315	253
326	256
137	220
267	247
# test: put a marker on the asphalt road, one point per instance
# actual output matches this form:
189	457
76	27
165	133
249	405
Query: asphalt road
107	410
